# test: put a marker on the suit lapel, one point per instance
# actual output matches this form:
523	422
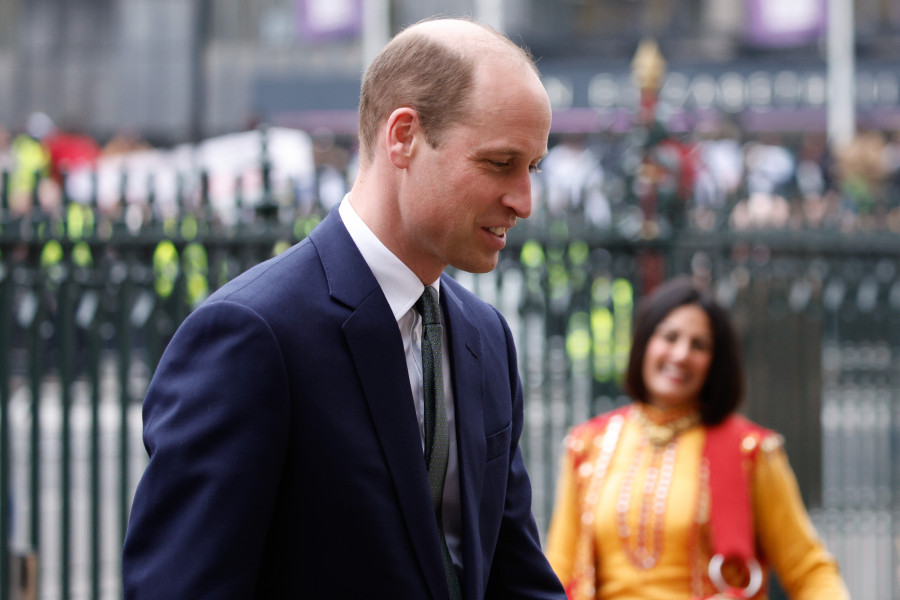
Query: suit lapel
468	389
377	350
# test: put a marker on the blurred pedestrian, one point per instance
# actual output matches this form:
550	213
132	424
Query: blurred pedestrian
675	496
31	162
6	161
70	149
5	148
573	182
124	141
769	166
863	172
723	156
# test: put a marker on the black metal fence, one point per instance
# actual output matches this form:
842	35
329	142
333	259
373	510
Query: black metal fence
87	304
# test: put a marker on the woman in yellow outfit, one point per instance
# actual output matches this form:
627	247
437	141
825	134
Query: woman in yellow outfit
675	496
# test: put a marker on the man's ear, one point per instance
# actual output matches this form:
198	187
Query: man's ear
402	126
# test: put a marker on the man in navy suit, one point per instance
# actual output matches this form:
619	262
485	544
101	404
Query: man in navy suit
285	422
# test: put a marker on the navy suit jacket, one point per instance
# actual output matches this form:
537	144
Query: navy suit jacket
285	454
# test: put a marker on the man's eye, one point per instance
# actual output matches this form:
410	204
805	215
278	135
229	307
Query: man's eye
499	164
534	169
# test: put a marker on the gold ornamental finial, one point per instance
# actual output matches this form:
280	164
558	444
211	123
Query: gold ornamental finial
648	65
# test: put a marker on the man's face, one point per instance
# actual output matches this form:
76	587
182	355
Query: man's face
458	201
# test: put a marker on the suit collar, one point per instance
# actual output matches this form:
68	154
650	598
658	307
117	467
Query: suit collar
350	280
400	285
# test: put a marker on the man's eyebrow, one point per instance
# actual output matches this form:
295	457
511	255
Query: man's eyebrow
506	151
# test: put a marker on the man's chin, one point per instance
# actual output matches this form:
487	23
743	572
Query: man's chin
479	267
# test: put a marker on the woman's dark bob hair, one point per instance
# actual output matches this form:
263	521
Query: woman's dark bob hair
723	391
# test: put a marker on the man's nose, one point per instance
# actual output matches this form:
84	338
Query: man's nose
518	197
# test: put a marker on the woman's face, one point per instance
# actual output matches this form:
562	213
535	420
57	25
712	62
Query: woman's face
677	358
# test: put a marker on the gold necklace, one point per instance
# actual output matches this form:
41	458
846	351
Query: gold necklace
660	434
645	547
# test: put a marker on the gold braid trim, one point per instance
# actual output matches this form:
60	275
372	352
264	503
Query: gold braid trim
592	455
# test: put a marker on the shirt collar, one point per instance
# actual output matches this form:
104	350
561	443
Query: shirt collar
399	284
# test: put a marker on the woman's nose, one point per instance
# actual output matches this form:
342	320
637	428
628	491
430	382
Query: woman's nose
681	350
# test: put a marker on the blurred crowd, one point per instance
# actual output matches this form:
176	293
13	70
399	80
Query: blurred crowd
37	157
47	166
640	182
721	177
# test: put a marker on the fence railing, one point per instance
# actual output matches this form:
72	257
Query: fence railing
87	304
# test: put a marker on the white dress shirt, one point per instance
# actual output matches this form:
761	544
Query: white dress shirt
402	288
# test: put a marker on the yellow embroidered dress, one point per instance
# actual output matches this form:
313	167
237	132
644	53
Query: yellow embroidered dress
633	502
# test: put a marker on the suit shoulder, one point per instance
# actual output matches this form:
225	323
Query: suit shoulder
277	274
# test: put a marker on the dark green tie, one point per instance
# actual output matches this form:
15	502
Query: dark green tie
437	440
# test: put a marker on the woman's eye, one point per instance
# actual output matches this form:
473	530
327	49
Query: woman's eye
701	345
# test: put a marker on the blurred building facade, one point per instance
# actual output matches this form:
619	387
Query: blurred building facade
181	69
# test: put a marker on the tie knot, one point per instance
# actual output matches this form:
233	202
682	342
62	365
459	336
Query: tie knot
429	306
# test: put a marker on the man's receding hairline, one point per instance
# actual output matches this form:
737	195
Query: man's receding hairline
476	39
450	29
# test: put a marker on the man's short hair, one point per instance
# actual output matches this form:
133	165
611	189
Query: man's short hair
425	74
